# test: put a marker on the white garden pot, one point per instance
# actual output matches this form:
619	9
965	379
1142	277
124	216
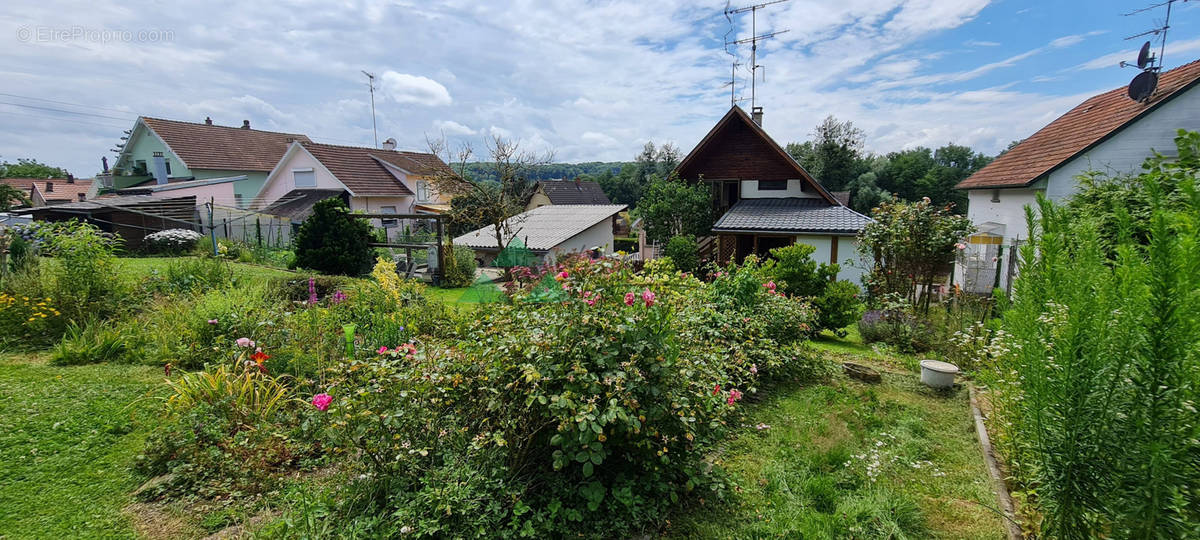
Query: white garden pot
938	374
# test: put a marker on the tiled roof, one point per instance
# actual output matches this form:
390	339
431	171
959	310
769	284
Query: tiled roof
359	168
204	146
842	197
574	192
1079	129
796	215
297	204
62	190
545	226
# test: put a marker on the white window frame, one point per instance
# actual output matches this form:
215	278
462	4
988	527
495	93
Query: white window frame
310	174
388	223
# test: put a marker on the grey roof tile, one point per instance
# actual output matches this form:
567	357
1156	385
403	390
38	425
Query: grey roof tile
790	215
544	227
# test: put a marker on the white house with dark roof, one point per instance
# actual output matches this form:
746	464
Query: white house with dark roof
1109	133
550	231
384	181
764	199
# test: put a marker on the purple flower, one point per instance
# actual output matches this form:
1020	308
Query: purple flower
312	291
339	297
244	342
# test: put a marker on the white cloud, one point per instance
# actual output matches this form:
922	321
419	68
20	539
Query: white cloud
978	43
452	128
598	139
414	89
1114	59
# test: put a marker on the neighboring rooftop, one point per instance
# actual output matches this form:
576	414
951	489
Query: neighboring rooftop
362	169
209	146
795	215
1075	132
573	192
544	227
297	204
52	189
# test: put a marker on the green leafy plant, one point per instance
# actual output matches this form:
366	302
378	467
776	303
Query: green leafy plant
460	266
333	242
98	342
684	253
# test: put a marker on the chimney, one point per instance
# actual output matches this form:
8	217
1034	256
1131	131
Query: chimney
756	115
208	120
104	162
70	178
49	187
245	124
579	183
82	196
389	144
160	168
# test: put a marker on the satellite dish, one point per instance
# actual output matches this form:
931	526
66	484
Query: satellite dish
1143	85
1144	56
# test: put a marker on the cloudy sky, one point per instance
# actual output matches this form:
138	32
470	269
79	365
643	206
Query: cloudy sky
588	80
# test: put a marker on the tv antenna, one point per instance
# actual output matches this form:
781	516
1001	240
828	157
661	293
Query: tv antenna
753	40
1142	86
371	86
732	84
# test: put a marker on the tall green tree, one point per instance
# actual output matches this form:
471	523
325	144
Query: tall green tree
672	207
332	242
30	168
834	154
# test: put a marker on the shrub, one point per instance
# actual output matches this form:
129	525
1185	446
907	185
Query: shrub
28	322
296	289
1096	385
838	307
460	267
83	280
172	241
98	342
332	242
896	327
683	252
796	273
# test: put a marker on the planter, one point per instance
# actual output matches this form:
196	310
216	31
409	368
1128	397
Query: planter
938	374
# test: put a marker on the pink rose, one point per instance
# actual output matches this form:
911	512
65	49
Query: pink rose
754	369
382	349
648	297
629	298
321	401
734	395
770	285
244	342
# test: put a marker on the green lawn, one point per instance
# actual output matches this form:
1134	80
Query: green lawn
139	267
68	436
852	460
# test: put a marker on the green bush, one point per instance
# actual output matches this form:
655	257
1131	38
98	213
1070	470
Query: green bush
190	275
460	267
332	242
626	244
683	252
796	273
83	278
838	306
897	327
296	289
1095	376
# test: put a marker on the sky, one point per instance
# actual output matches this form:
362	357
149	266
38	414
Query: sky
585	81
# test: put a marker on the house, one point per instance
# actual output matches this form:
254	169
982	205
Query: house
1109	132
384	181
550	231
159	151
42	192
567	192
765	199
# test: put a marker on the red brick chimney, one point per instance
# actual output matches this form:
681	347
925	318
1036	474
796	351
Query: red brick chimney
70	178
49	187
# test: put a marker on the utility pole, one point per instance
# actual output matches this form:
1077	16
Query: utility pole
212	228
371	86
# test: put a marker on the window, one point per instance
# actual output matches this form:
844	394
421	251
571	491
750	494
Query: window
237	200
168	162
388	210
772	185
422	191
995	195
305	177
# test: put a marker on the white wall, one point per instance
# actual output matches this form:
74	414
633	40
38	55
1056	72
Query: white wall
374	205
749	190
1124	152
599	234
1010	210
284	181
850	265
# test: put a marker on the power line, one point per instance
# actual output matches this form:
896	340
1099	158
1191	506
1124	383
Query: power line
52	117
61	110
64	103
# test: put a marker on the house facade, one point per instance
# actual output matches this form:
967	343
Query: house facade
384	181
1108	133
549	232
765	199
159	151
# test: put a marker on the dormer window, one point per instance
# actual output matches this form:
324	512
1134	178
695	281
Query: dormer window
772	185
305	177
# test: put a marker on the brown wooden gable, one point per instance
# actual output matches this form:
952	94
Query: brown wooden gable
738	149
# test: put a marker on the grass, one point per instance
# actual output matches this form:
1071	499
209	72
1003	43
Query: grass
139	267
69	436
810	474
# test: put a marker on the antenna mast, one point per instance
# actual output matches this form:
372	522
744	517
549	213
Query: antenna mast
371	85
753	41
1160	31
